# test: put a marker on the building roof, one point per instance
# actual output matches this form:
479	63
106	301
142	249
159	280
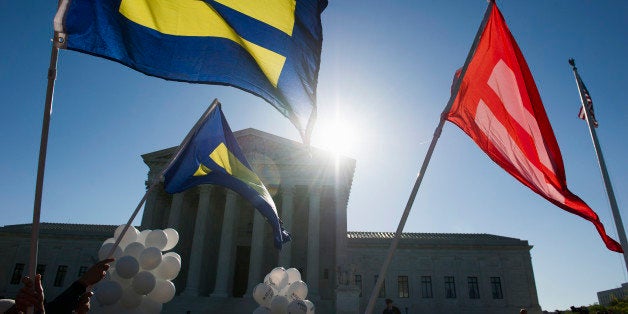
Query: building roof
467	239
48	228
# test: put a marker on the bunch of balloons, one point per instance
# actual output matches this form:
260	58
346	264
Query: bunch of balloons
282	292
139	281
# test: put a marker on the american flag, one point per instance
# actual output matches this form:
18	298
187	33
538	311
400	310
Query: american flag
588	104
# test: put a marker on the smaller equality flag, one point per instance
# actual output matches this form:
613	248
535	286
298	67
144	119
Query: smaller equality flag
210	154
499	107
588	102
270	48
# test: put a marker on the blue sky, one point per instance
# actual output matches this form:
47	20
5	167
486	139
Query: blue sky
385	74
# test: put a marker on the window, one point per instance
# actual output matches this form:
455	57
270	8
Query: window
403	287
496	288
450	287
426	287
326	273
82	271
382	290
358	282
61	271
17	273
474	290
41	269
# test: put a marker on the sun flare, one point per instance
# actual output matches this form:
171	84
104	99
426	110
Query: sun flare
338	136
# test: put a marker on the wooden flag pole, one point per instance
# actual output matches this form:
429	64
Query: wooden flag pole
426	161
600	158
43	147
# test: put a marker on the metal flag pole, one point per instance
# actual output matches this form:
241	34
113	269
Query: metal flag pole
600	158
426	161
154	184
43	147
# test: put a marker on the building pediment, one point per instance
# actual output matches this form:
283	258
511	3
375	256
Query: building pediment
271	156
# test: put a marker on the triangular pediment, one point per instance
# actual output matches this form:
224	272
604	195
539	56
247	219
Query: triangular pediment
270	155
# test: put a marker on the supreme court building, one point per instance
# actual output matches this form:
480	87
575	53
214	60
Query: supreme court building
226	245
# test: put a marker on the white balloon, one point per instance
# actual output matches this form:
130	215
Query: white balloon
130	299
311	309
108	292
262	310
279	304
284	291
168	268
134	249
143	283
174	254
157	238
297	291
293	275
127	266
110	309
164	291
173	238
278	278
110	240
297	307
150	306
263	294
103	253
150	258
124	282
141	238
130	235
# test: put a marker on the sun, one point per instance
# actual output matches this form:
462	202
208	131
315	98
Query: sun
337	136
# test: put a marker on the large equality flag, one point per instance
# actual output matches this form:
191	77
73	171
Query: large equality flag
210	154
499	107
270	48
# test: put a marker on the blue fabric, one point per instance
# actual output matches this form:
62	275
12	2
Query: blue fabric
212	131
97	27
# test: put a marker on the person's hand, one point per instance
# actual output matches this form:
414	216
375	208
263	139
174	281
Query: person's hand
95	273
83	303
32	294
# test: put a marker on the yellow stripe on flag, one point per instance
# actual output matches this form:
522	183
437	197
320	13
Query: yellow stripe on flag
197	18
225	159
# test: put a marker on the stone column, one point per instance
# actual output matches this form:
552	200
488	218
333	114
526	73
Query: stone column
340	205
175	211
225	253
313	230
150	206
287	209
257	251
198	242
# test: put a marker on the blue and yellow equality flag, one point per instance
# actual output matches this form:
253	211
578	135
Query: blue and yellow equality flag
210	154
270	48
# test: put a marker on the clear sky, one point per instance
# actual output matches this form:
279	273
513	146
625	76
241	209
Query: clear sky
385	76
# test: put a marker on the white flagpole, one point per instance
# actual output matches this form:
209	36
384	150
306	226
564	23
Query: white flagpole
600	158
43	148
426	161
154	184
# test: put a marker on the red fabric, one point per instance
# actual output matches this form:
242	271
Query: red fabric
499	107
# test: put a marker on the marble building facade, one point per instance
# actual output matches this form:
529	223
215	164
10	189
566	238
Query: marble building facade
227	248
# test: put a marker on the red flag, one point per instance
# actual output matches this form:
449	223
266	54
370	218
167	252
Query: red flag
499	107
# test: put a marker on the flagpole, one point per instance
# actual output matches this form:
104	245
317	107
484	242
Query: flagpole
152	186
600	158
43	148
128	224
426	161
